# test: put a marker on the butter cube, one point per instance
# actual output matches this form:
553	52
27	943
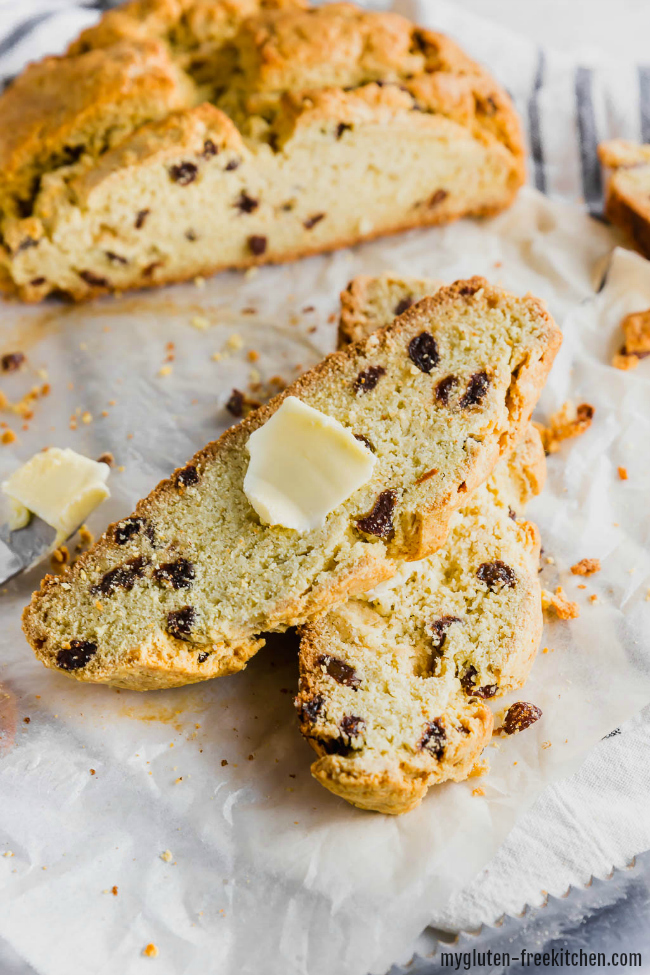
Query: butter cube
60	486
303	465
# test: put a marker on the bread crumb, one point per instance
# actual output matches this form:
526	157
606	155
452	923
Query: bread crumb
8	437
60	556
165	371
179	779
223	762
478	792
199	282
252	355
200	322
593	598
106	458
235	342
8	853
622	473
549	560
568	422
546	744
114	890
86	537
636	344
166	856
586	567
92	771
150	951
86	417
478	769
563	607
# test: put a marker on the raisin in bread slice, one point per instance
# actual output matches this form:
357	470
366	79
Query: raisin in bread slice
181	590
393	683
627	202
175	139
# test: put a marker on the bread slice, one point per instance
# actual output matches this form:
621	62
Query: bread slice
176	139
371	302
393	683
181	590
627	202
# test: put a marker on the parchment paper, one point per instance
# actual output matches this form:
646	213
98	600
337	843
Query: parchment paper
268	872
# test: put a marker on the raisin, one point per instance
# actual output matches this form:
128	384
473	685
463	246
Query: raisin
121	577
203	656
94	280
444	389
369	444
127	529
341	128
36	281
73	153
351	725
26	243
181	621
235	404
433	738
12	361
233	164
176	575
520	716
512	513
246	203
438	197
116	258
423	351
477	387
403	306
76	655
496	575
439	629
368	379
339	671
312	221
184	174
209	149
150	268
140	218
334	746
379	521
257	245
190	235
309	710
467	683
187	477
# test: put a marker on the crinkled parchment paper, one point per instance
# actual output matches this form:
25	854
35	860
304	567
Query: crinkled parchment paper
267	872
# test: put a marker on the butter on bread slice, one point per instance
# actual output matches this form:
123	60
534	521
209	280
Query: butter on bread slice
181	590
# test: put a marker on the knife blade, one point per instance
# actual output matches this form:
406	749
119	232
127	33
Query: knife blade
21	549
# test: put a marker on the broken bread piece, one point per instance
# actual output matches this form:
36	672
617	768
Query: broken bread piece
176	139
393	682
627	198
181	590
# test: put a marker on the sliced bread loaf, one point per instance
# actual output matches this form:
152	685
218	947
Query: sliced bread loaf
174	139
181	590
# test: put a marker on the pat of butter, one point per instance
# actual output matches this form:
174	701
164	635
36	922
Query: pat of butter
60	486
303	465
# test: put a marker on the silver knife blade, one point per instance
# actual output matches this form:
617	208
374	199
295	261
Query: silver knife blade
21	549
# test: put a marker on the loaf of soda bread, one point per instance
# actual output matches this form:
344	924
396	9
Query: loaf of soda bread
179	137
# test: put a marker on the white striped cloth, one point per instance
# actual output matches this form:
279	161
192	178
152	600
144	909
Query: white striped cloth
566	108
